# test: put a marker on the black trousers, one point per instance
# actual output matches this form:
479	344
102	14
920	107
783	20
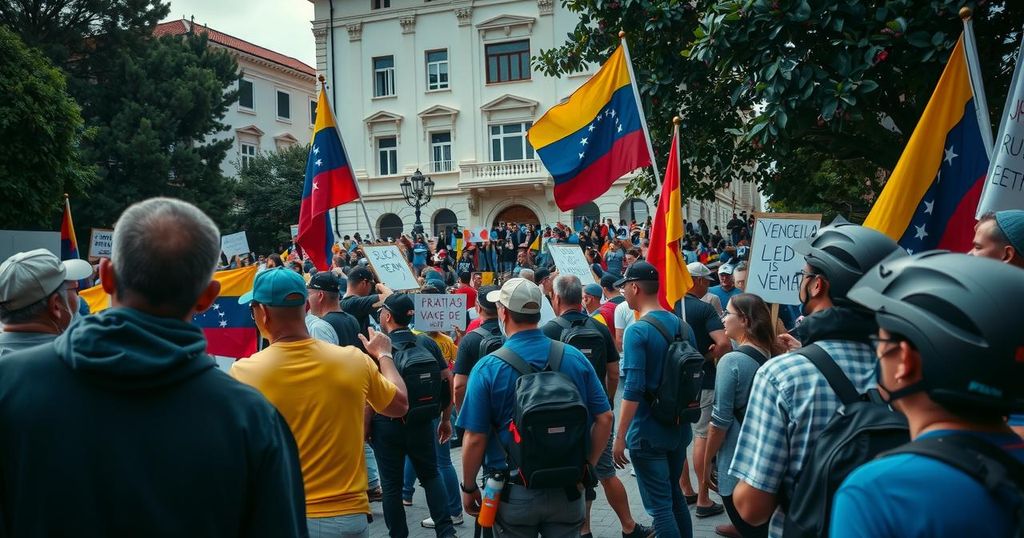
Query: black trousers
746	530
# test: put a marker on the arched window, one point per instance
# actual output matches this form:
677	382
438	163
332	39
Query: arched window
390	226
444	222
633	209
588	211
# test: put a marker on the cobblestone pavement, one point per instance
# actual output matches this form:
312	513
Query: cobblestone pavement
604	523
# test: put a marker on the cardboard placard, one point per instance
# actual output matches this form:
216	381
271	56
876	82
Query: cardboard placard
234	244
774	265
391	266
569	260
435	312
101	243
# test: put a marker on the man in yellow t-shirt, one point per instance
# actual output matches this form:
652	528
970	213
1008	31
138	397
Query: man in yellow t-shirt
321	390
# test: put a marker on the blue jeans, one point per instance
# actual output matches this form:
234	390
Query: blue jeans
448	477
373	476
657	477
349	526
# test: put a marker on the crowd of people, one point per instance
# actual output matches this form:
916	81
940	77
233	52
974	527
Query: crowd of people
909	367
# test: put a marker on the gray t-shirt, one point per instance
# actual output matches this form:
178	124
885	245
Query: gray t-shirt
17	341
733	381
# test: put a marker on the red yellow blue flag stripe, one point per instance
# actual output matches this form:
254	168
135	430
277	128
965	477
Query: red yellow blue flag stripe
68	241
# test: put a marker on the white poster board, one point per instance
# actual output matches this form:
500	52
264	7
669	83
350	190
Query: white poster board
1004	184
479	234
569	260
234	244
391	267
774	265
101	243
294	229
435	312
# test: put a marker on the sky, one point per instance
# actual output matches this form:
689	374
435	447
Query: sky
279	25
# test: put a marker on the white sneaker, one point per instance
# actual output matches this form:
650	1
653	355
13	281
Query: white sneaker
429	522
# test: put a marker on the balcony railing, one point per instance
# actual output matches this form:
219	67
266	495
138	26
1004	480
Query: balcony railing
441	167
499	170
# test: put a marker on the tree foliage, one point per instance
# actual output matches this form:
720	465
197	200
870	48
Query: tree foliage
269	194
40	129
817	93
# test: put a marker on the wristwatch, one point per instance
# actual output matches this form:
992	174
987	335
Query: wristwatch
462	486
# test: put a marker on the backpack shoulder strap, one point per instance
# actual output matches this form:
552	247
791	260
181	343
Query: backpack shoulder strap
981	460
555	356
841	384
684	331
657	325
484	333
510	358
753	353
562	322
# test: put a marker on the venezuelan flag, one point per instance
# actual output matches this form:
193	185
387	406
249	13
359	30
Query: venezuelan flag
329	183
930	199
665	252
68	241
593	138
229	328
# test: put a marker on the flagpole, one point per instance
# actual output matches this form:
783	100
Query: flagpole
341	139
639	106
679	171
977	86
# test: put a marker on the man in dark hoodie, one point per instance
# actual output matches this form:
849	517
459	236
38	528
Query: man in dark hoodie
791	401
123	426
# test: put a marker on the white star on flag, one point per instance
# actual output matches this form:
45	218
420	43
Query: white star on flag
319	162
620	129
223	324
950	156
591	127
216	306
583	142
910	251
928	206
316	150
581	155
920	234
315	187
613	112
221	314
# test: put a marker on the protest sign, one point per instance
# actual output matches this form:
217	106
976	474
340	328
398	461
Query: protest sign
294	229
1004	184
478	234
569	260
391	267
101	243
436	312
774	265
234	244
15	241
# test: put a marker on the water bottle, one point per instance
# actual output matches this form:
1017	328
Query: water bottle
489	501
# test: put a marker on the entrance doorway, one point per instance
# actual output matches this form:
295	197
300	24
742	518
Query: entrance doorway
517	214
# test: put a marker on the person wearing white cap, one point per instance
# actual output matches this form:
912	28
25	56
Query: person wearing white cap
727	286
38	298
489	407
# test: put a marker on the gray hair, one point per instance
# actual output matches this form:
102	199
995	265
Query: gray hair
569	289
32	312
997	235
528	274
165	252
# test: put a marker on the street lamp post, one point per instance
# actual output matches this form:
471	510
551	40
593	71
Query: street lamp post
417	190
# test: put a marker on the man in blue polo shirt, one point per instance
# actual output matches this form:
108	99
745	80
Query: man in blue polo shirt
489	406
727	286
949	359
657	450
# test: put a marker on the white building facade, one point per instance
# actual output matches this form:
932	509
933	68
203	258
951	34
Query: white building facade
276	102
446	87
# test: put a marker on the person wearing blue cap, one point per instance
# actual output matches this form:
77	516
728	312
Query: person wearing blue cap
1000	235
322	391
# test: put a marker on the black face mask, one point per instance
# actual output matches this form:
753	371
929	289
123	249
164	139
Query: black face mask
800	294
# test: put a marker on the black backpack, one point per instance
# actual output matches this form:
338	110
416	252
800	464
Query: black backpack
864	427
489	341
550	424
992	467
582	335
752	352
422	375
677	398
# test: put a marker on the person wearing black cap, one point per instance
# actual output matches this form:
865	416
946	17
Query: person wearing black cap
657	450
949	358
360	300
469	346
394	439
323	303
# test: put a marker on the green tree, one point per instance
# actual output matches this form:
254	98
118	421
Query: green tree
269	194
40	126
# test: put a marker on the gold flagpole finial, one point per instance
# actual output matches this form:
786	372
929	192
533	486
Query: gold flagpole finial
622	34
965	13
677	120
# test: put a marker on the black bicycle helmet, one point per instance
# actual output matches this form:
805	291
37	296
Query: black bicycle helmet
843	252
959	312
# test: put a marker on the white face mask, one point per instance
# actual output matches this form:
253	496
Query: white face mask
501	327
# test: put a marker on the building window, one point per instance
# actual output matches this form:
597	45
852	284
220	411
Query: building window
312	112
508	61
390	227
635	210
441	152
384	76
437	69
284	105
378	4
248	154
246	98
508	142
387	156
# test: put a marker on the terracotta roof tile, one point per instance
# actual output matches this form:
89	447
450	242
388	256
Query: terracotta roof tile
181	27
